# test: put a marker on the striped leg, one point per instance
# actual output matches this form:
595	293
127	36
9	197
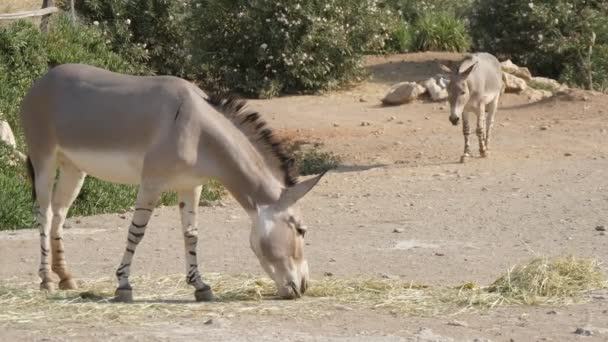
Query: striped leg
188	204
492	108
481	128
146	201
44	177
67	188
466	131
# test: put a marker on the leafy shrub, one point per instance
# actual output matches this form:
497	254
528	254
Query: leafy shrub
412	10
15	194
266	47
552	37
157	26
440	31
400	38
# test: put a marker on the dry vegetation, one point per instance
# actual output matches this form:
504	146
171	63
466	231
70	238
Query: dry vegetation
559	281
10	6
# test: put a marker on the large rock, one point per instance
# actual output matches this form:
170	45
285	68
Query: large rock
6	134
535	95
521	72
513	84
402	93
546	83
437	90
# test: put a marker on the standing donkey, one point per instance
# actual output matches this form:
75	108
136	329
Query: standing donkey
476	85
161	133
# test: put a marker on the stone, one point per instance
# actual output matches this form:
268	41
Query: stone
403	92
436	91
398	230
535	95
517	71
583	332
600	228
513	84
6	134
548	83
457	323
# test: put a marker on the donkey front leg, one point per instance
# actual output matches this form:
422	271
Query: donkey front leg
67	188
466	131
146	201
481	125
492	108
188	204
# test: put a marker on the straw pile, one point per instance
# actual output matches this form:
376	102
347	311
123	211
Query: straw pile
542	281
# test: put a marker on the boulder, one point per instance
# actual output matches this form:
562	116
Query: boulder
535	95
547	83
521	72
402	93
513	84
6	134
437	90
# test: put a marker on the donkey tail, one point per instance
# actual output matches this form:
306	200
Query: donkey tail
32	176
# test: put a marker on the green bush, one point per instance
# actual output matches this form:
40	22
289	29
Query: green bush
412	10
157	26
551	37
265	47
440	31
15	193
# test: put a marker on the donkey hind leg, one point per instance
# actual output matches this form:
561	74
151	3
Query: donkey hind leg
67	188
466	132
188	204
481	125
492	108
44	176
144	205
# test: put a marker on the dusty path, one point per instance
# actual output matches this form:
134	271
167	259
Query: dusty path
542	192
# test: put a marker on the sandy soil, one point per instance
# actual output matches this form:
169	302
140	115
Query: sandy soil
541	192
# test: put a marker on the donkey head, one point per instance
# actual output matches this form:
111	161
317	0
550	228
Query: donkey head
458	89
277	239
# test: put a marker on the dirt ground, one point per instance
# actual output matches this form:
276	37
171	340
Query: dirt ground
542	191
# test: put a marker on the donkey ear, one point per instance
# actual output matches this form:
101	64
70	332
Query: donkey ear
467	72
294	193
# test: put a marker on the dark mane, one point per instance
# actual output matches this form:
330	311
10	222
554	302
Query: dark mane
251	124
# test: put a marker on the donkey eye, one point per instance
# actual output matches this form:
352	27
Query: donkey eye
301	231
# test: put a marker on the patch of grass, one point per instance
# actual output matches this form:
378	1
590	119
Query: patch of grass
440	31
311	160
558	281
545	281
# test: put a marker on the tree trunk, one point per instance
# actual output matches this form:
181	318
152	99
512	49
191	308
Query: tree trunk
44	22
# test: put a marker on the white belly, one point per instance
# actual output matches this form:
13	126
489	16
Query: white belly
113	166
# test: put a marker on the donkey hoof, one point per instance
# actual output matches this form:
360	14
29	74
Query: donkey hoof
68	284
484	154
48	286
123	296
463	158
204	295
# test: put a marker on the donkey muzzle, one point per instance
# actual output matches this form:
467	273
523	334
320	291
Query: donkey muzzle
454	120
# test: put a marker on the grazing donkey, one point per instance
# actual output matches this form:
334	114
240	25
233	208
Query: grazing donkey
160	133
475	86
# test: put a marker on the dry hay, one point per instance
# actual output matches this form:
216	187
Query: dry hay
542	281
